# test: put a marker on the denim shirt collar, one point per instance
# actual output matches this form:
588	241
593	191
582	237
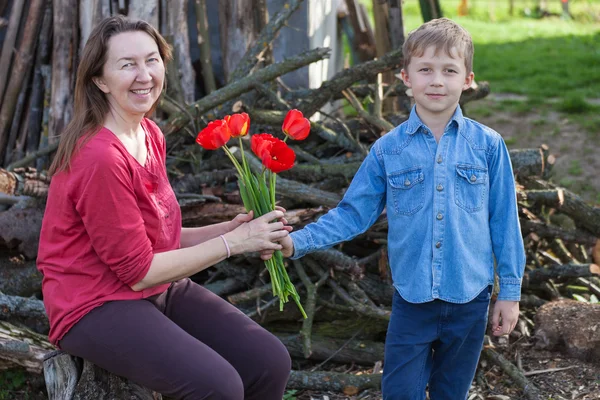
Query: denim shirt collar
414	122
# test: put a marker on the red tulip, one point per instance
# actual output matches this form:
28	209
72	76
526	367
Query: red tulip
215	135
295	125
259	143
239	124
278	157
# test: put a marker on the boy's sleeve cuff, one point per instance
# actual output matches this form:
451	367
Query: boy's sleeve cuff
510	290
302	243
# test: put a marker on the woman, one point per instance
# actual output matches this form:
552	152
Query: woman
114	256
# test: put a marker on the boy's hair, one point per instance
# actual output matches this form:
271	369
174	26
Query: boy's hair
441	33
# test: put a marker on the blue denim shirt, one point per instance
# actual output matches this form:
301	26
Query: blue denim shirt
451	208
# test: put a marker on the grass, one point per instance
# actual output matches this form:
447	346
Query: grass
543	58
552	63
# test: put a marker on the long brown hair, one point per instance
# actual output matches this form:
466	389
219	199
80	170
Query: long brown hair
91	105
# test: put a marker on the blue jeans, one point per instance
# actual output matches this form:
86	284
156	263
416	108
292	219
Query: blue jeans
436	343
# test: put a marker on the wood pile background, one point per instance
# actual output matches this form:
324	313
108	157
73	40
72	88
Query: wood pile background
347	290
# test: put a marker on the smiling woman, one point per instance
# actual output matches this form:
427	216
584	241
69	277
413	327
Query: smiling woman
115	257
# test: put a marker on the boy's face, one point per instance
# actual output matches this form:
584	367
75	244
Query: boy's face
437	82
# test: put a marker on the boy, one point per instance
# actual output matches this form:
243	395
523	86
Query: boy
448	187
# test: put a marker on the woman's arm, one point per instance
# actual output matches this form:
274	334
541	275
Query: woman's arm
256	235
193	236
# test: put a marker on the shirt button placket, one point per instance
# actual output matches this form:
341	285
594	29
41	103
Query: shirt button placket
439	205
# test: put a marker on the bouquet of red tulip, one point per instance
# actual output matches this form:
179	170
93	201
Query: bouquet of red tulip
258	190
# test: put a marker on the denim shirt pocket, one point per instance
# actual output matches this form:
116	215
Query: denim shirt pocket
471	187
408	190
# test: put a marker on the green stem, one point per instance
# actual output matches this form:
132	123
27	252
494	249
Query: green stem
235	162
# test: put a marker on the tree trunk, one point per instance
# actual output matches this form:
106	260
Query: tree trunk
238	29
23	60
64	55
9	44
90	13
178	30
71	378
146	10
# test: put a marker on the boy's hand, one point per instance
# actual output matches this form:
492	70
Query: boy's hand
506	310
288	246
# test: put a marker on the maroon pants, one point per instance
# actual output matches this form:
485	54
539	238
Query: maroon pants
186	343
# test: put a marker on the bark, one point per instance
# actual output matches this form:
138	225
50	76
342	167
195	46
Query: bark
90	13
42	60
346	78
17	118
64	55
24	311
204	45
23	60
21	230
241	86
20	347
277	117
565	271
238	29
263	41
146	10
363	352
9	43
363	40
542	230
177	16
569	203
69	377
19	277
333	381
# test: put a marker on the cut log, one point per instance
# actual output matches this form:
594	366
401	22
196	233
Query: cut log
20	347
542	230
569	203
19	277
363	352
569	326
25	312
21	230
71	378
565	271
333	381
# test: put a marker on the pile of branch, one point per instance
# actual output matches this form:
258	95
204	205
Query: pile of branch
347	290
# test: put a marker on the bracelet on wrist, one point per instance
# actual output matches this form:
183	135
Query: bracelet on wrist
226	245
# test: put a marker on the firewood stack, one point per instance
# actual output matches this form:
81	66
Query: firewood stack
346	291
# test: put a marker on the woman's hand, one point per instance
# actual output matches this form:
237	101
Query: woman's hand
242	218
258	234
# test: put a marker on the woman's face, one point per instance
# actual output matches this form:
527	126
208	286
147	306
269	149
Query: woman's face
133	75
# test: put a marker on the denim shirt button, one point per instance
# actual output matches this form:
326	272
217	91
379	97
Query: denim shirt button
440	216
440	187
473	178
439	160
407	183
438	245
